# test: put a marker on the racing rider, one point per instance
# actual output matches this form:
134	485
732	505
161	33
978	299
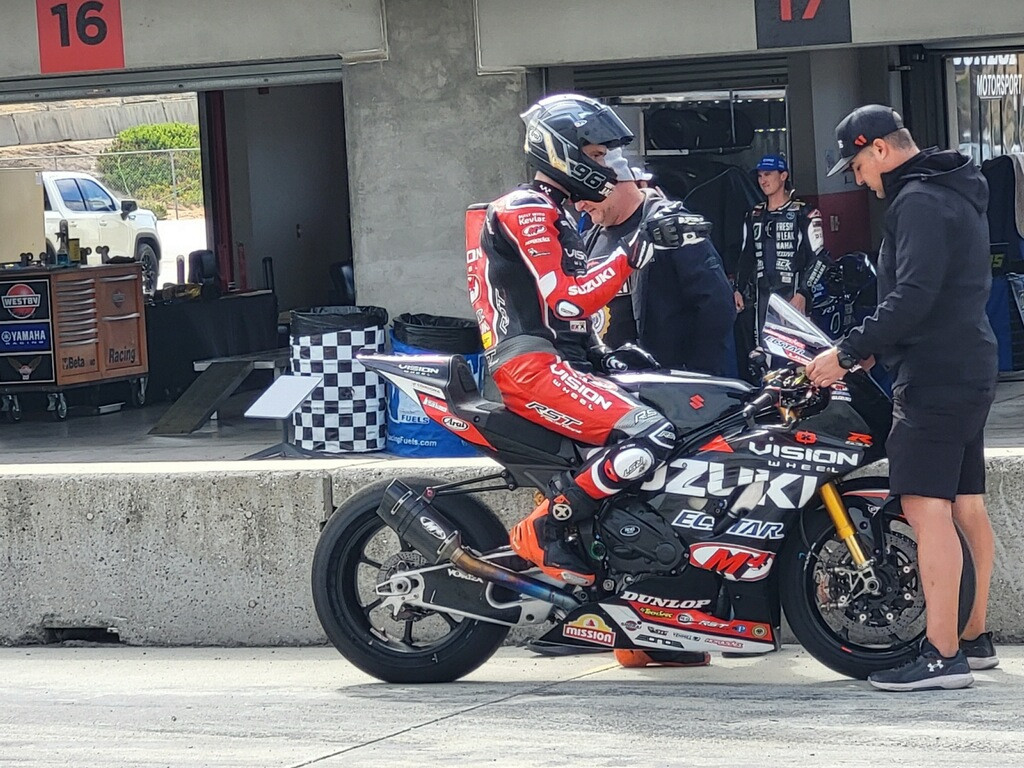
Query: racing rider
783	241
533	293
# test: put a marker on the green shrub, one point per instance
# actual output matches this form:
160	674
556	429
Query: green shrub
134	174
157	136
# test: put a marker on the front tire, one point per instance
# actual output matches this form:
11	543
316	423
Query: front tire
354	549
146	256
870	634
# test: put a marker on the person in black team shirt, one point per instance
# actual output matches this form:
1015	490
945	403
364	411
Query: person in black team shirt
783	246
679	309
931	331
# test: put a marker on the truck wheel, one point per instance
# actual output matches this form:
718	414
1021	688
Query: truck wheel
146	256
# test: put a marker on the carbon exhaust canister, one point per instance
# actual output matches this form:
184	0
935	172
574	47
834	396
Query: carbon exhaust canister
414	519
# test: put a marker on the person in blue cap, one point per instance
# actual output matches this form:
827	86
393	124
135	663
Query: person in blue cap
783	246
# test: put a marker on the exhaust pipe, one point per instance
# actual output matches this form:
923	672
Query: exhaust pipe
431	534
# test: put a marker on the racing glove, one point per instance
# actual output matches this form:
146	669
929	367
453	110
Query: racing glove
628	357
669	228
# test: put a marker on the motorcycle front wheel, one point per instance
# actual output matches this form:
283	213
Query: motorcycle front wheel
356	551
852	634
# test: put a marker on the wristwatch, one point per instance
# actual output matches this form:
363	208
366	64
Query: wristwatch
845	359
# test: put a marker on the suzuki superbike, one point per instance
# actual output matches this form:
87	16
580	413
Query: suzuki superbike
754	515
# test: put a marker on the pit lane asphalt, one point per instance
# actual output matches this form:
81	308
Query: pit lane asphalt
296	707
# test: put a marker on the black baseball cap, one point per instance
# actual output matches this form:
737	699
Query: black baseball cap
860	128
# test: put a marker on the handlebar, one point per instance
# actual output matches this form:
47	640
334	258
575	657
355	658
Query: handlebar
766	399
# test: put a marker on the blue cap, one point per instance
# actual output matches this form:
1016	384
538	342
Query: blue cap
772	163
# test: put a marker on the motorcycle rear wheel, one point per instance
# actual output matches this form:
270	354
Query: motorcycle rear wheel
355	548
852	641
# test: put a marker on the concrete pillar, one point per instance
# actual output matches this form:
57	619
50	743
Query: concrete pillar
427	136
824	86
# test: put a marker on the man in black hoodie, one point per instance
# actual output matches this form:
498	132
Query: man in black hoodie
931	331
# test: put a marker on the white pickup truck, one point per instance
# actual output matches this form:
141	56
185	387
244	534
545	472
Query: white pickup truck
96	217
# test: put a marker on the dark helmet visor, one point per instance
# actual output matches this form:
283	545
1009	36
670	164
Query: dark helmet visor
604	127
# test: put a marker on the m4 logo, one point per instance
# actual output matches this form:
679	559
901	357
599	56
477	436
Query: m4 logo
733	562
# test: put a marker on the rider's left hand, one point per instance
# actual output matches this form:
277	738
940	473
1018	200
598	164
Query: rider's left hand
628	357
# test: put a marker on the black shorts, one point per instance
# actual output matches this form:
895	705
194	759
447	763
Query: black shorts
936	447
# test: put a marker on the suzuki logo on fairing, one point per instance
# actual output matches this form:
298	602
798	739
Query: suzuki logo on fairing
784	490
663	602
432	528
810	455
593	283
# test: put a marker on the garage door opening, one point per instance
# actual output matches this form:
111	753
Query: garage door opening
702	147
95	154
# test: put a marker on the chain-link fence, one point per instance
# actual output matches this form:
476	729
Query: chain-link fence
168	181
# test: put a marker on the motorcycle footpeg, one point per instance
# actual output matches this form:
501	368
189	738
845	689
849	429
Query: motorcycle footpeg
417	522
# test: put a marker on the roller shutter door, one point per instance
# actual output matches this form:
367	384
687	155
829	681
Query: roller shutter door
722	74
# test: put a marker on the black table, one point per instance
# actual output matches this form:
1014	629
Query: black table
179	333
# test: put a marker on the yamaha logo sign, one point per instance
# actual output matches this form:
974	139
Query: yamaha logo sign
21	301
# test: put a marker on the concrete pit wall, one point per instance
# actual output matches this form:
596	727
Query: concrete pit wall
220	554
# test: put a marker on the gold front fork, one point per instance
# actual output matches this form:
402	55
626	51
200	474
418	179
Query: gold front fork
841	520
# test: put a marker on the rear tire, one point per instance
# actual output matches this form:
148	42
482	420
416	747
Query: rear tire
800	593
346	618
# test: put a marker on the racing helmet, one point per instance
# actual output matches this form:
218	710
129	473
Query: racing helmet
557	129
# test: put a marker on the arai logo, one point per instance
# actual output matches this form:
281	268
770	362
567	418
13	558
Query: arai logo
457	424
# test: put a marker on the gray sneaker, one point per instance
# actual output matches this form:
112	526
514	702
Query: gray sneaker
929	671
980	652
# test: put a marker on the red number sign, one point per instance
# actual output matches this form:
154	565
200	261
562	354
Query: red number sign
79	35
786	10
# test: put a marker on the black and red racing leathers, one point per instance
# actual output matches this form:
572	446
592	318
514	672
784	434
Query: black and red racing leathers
533	293
783	252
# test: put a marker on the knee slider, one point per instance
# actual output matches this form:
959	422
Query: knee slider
633	462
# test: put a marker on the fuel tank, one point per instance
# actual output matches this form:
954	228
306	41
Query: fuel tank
688	400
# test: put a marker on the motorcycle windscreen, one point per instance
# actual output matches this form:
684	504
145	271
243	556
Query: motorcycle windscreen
789	333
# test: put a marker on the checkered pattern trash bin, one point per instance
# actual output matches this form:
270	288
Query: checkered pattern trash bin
347	413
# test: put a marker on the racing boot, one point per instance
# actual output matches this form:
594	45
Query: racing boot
540	537
636	658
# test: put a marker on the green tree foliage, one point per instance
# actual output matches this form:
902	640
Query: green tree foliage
148	177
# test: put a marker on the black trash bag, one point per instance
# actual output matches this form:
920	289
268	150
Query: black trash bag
316	321
451	335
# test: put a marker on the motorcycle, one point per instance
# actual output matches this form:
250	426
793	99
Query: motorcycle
755	515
